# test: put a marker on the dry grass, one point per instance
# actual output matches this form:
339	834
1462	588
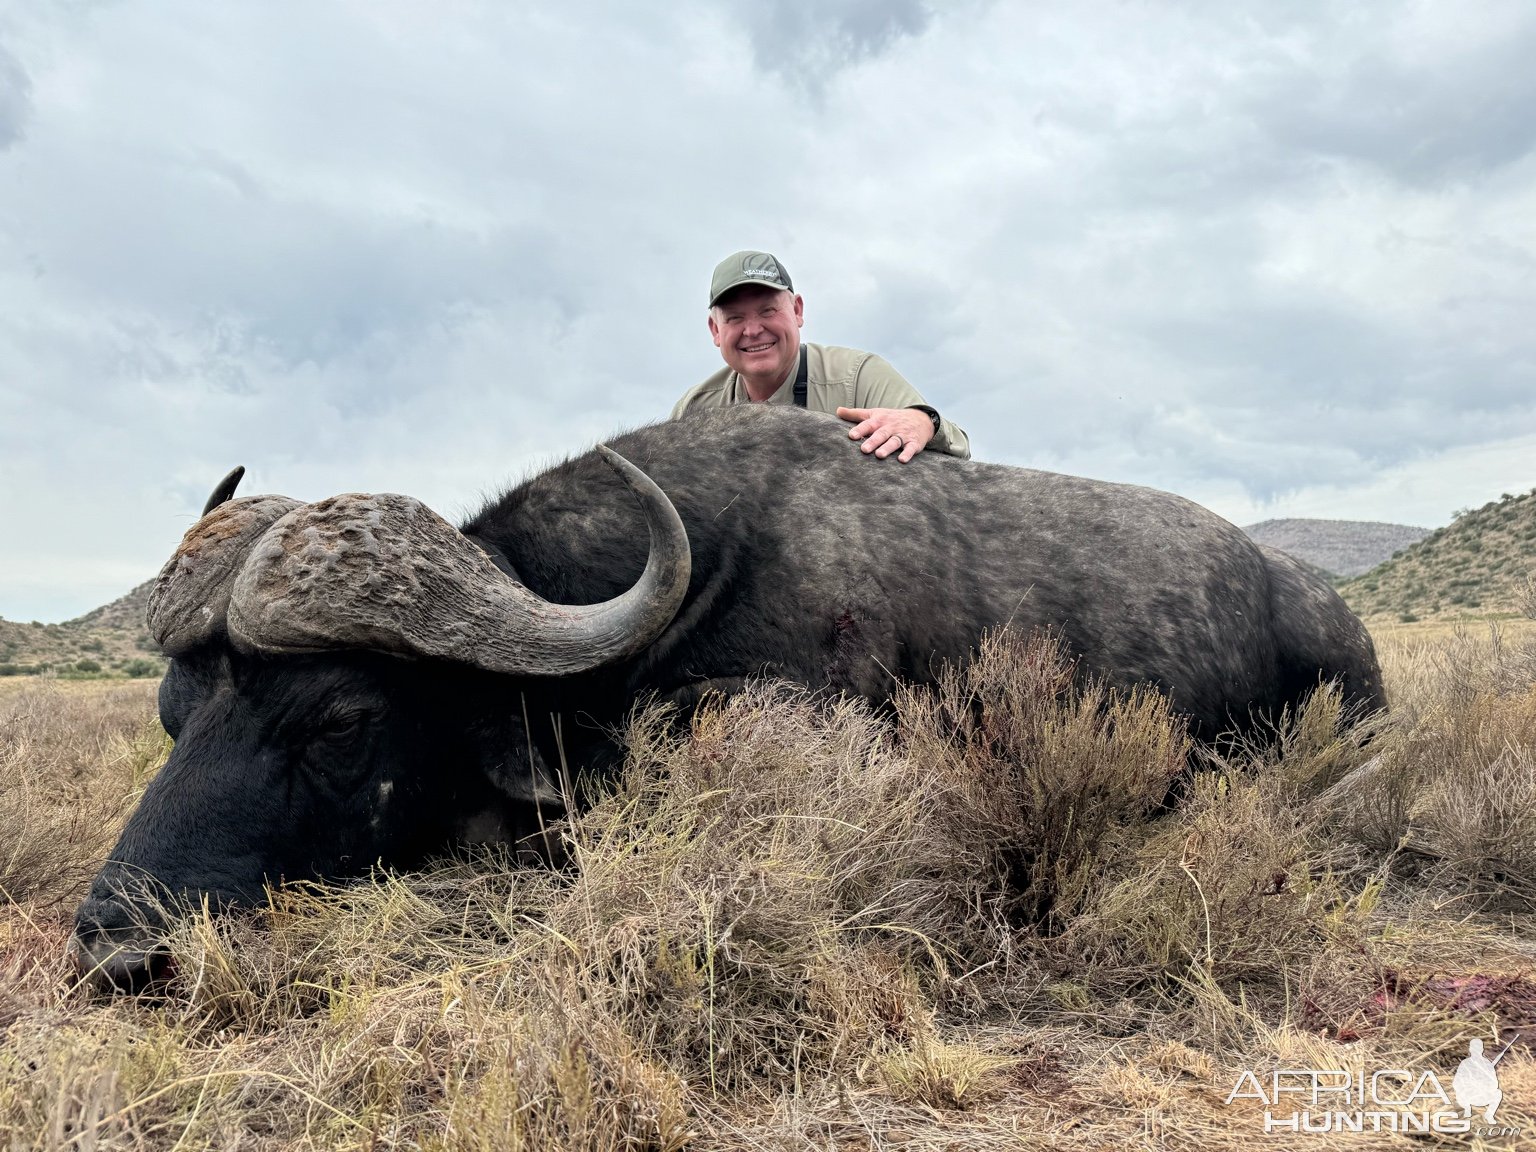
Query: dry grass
72	761
1454	790
1006	919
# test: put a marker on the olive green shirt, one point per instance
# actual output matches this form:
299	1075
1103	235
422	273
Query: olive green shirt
835	378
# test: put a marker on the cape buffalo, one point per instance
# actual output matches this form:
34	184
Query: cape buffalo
355	680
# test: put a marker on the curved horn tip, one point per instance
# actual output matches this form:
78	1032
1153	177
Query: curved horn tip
225	489
631	473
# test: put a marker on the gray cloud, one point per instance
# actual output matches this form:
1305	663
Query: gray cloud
809	44
1435	97
15	99
1276	258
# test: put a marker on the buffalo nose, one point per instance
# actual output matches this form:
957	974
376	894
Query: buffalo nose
115	947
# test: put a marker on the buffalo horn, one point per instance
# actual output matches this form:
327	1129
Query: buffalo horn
225	489
191	595
386	573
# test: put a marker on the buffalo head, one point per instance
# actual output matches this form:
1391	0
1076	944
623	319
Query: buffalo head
346	687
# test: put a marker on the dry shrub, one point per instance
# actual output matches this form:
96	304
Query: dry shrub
1477	820
1238	887
777	891
1312	747
743	893
728	892
1453	787
1228	891
1043	765
71	764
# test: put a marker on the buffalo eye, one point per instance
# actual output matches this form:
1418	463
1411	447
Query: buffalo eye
342	726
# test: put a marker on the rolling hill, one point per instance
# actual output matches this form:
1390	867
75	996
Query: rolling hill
1475	566
109	641
124	612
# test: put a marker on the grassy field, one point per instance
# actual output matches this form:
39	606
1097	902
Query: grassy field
977	927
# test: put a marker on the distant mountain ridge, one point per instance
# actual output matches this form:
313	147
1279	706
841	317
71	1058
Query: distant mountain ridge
1341	548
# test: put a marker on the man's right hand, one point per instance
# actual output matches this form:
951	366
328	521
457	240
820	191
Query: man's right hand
889	430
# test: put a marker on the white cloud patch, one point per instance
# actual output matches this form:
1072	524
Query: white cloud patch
1277	258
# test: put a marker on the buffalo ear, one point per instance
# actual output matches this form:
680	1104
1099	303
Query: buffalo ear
188	604
225	489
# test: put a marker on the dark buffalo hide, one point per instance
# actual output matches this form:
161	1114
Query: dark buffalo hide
810	561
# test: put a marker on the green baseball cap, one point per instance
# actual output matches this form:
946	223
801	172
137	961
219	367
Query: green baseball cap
748	268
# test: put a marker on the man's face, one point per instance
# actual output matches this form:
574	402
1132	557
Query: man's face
757	330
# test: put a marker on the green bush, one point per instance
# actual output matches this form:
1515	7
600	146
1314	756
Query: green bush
141	669
87	666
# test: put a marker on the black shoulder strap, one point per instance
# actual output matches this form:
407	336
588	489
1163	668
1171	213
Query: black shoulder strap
800	381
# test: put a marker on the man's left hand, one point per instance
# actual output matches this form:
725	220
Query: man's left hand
888	430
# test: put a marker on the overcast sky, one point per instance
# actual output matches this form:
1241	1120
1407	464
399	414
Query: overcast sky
1280	258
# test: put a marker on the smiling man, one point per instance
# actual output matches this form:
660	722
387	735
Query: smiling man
755	317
